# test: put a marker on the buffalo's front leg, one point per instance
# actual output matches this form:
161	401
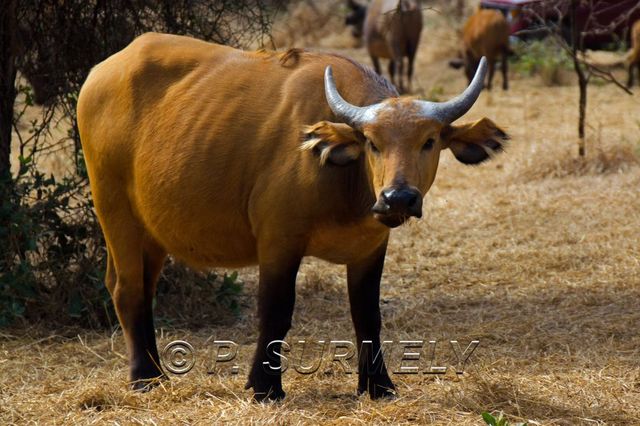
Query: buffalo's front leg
276	297
364	296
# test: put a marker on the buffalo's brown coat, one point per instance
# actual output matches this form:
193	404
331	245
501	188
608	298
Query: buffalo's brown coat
486	33
229	158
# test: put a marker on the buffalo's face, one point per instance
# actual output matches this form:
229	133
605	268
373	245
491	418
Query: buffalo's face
402	151
401	139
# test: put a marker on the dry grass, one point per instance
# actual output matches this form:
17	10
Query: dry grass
535	254
313	24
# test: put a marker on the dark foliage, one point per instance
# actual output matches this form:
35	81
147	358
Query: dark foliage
51	249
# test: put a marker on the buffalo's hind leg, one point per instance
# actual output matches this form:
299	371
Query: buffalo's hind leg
492	69
376	63
470	66
276	299
134	264
364	297
631	71
398	64
505	69
153	261
411	53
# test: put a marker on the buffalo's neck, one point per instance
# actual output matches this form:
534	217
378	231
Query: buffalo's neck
345	192
344	230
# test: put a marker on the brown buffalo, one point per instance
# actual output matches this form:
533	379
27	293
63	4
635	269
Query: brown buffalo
633	59
391	30
486	33
226	158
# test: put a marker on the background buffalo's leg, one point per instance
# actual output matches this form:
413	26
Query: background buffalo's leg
276	298
364	297
399	67
492	70
470	65
376	64
505	70
631	71
411	57
392	71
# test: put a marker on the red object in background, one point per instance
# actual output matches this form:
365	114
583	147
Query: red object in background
609	21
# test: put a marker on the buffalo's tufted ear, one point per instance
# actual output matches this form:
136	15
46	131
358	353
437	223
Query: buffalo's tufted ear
334	143
476	142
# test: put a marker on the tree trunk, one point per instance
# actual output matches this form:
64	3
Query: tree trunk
577	46
8	30
582	83
460	8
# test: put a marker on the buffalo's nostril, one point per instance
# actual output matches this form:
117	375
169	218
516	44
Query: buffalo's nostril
411	200
398	198
388	194
381	207
402	200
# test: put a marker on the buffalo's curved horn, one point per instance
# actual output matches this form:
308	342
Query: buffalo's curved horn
450	111
352	115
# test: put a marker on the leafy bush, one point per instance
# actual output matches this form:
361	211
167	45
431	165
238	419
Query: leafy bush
52	256
543	58
52	262
52	265
500	420
196	299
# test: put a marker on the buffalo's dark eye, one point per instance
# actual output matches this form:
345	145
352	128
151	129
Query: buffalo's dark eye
428	144
373	147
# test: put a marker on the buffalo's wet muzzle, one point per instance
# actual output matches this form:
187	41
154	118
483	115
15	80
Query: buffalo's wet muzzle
395	205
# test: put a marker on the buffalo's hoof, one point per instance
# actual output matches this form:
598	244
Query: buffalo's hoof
272	395
379	392
265	391
145	385
378	387
145	377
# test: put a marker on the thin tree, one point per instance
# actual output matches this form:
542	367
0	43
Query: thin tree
8	47
460	8
571	34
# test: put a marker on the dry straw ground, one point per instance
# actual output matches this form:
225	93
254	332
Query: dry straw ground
535	254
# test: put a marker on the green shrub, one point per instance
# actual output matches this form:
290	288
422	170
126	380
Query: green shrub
191	298
500	420
52	255
543	58
53	259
